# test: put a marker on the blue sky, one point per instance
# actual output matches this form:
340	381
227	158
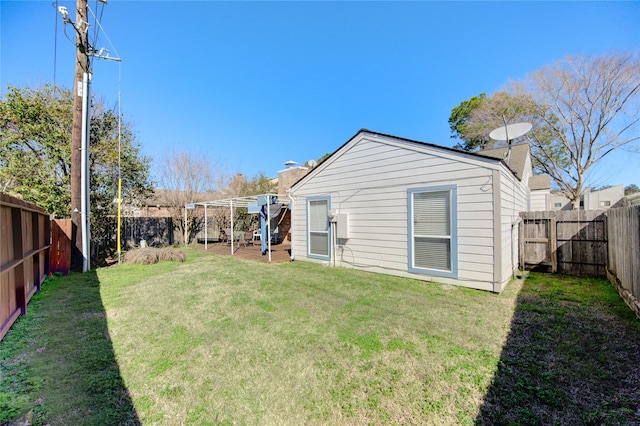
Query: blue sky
255	84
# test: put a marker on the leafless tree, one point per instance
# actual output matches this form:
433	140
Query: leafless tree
582	108
189	177
591	105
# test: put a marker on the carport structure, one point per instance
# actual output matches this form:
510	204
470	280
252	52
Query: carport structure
252	203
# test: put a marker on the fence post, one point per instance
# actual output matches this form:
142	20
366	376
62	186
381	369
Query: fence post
521	238
553	244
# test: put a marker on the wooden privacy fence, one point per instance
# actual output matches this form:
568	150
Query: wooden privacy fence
572	242
24	256
624	253
595	243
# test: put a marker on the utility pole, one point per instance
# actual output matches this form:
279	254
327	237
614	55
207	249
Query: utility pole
80	173
82	69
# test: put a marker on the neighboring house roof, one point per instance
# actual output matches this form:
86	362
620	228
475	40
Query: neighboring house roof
539	182
518	158
163	197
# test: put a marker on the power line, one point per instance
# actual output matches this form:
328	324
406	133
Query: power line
99	26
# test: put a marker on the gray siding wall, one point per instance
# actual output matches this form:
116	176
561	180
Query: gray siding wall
539	201
368	179
513	196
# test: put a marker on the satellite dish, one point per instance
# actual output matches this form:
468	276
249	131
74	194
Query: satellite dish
312	163
510	131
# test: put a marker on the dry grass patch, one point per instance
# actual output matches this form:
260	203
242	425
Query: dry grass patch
151	255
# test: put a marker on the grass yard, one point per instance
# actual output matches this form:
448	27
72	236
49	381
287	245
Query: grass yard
218	340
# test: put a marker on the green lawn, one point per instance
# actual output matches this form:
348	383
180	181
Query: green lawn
217	340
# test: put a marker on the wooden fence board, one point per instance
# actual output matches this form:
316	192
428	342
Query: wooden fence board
572	242
535	239
24	247
60	252
6	242
624	253
582	242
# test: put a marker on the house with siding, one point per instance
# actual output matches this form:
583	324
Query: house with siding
397	206
592	199
540	198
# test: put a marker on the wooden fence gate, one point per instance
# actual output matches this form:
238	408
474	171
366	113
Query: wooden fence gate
572	242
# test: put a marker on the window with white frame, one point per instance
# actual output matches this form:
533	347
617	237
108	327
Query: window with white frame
318	227
432	230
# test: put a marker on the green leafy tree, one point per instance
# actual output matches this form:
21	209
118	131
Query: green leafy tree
318	161
35	137
258	185
582	108
631	189
35	153
458	125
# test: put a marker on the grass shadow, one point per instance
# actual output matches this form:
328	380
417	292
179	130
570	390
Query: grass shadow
571	357
58	364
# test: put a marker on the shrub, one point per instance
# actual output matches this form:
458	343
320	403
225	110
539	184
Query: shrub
149	255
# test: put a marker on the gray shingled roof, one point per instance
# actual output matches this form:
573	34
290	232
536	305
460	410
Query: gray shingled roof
540	182
518	156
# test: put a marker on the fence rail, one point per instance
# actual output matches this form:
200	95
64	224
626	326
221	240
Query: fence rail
24	256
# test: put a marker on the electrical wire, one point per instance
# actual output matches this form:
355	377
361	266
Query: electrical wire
99	25
94	41
67	35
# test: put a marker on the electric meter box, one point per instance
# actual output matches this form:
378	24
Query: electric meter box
342	226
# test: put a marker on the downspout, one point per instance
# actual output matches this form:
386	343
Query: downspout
514	262
334	243
291	229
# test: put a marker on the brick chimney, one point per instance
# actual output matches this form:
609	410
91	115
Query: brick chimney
290	175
